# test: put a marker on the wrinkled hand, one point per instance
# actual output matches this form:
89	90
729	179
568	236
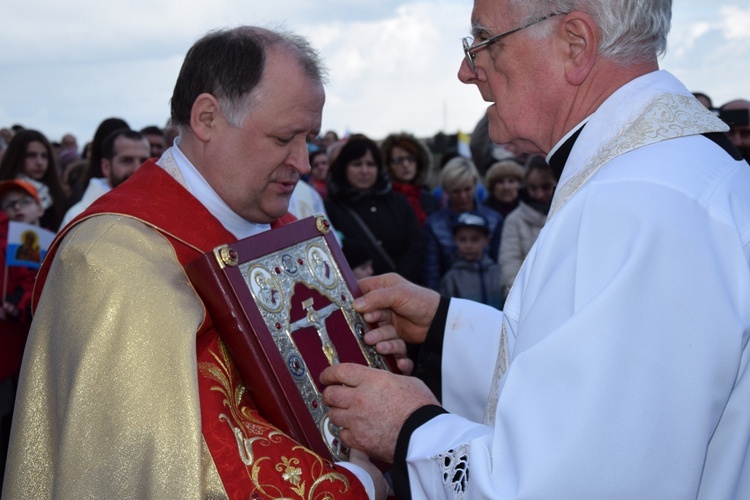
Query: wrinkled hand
372	405
381	485
389	299
386	341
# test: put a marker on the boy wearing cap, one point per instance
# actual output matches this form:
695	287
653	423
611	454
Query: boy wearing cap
473	276
19	202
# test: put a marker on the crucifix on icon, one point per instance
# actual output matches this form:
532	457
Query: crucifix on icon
317	319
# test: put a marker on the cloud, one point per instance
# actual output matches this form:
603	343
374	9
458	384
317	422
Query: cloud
735	22
709	50
399	73
393	63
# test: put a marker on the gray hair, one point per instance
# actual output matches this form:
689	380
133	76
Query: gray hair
228	64
632	31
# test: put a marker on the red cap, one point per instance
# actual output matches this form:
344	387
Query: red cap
25	186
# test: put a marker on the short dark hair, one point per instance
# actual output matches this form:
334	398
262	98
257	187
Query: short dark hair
108	144
94	167
354	149
228	64
152	130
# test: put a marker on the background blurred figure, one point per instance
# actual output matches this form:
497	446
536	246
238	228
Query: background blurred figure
123	151
409	165
66	156
69	141
72	175
362	206
737	114
329	138
156	140
94	155
459	180
704	99
523	225
473	276
30	157
319	166
503	181
5	136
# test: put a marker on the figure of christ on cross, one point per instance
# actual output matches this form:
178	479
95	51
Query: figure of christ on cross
317	319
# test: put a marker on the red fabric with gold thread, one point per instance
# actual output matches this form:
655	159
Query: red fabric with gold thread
254	459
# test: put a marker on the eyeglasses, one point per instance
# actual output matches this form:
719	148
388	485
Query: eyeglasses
16	204
470	51
403	160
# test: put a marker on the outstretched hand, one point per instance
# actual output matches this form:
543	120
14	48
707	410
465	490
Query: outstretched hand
389	299
372	405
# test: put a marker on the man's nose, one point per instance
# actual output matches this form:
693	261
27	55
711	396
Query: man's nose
465	74
299	159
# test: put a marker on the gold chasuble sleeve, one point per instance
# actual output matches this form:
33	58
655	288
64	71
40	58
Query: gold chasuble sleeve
108	403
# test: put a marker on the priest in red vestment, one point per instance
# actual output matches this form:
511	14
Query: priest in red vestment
126	389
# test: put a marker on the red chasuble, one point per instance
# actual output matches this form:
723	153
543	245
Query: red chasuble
254	459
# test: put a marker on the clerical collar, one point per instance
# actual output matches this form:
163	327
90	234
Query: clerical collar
197	185
558	157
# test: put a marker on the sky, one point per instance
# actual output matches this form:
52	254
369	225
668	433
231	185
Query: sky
66	66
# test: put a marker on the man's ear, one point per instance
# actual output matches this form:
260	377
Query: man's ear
580	36
106	168
204	116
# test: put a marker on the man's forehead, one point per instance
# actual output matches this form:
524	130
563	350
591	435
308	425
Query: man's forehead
489	13
122	143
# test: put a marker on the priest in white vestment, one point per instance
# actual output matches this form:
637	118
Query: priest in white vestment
620	365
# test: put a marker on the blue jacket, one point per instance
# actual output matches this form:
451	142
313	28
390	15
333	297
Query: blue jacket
439	250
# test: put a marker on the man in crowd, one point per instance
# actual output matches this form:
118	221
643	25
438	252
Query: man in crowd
156	140
126	390
619	366
123	151
739	126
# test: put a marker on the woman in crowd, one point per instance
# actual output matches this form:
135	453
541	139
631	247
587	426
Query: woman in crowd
409	165
319	171
523	225
503	181
30	157
459	180
363	207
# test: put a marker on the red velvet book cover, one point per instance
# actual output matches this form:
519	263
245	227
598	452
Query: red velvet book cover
281	301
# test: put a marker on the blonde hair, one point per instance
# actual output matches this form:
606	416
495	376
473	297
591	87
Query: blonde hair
459	173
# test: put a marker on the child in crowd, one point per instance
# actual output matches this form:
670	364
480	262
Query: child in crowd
474	275
19	201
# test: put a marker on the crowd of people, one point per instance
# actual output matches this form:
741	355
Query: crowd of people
460	227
